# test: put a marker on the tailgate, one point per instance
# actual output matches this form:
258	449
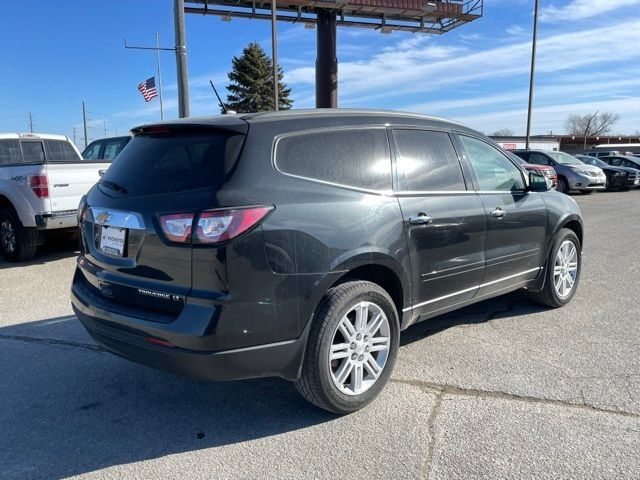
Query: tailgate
68	182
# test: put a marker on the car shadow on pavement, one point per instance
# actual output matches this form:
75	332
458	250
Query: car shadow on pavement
68	407
58	245
511	304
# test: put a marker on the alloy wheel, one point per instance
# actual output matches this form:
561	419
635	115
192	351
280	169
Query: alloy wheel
565	269
359	348
7	236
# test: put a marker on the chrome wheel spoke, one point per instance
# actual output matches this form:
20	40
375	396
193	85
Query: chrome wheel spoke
362	314
373	326
346	328
372	367
379	344
344	371
340	350
565	269
356	378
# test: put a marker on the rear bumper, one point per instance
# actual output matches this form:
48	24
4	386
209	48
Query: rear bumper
129	337
50	221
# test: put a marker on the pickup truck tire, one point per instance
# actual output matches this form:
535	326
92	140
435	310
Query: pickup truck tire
17	243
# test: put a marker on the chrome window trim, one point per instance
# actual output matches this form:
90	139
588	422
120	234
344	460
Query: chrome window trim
116	218
466	290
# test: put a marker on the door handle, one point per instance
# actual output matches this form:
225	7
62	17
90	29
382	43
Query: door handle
420	219
498	213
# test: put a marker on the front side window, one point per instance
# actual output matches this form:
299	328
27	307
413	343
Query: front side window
92	152
32	152
493	170
427	161
10	152
61	151
351	157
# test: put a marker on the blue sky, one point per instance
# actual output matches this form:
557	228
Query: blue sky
59	53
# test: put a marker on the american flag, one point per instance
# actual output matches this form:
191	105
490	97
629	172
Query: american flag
148	89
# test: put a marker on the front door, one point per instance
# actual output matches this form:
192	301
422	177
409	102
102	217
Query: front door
444	223
516	219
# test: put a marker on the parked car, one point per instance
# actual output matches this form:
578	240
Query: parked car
300	243
545	170
42	178
617	177
572	173
105	148
628	161
601	153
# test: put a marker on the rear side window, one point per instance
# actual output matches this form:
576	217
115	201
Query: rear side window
357	157
427	161
10	152
32	152
112	148
174	162
61	151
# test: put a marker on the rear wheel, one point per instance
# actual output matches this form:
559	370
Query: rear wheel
352	347
563	271
563	186
16	242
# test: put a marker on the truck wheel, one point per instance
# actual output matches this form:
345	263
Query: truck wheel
562	272
16	242
351	349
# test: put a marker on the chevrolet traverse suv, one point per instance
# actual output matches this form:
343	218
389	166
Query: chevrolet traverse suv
300	244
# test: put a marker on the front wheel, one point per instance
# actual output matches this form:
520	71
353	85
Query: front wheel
562	272
562	186
352	347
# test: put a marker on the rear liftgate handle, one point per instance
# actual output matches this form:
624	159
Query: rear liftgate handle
420	219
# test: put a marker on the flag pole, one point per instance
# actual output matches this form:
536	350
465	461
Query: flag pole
159	76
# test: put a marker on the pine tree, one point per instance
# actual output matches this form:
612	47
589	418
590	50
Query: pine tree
251	82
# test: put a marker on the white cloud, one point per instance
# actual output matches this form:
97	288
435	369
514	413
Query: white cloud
581	9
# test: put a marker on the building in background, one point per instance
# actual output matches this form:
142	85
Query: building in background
538	142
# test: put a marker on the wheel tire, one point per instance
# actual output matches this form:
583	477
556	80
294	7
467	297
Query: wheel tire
316	383
17	243
549	295
562	186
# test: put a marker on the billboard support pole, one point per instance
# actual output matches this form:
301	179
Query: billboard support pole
326	61
181	58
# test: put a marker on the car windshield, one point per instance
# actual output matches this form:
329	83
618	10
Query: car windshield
591	160
564	158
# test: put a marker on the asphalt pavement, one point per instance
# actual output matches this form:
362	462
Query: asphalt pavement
501	389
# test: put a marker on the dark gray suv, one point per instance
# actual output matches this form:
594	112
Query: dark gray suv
299	244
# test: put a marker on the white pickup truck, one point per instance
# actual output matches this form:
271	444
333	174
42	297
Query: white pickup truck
42	179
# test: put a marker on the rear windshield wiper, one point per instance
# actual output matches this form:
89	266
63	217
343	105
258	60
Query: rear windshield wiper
113	186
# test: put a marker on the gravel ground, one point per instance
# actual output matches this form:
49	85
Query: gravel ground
501	389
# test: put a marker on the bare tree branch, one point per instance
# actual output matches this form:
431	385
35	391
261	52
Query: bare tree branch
503	132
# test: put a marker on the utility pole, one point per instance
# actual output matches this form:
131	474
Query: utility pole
181	58
84	123
274	54
30	122
104	125
74	135
326	60
158	73
533	64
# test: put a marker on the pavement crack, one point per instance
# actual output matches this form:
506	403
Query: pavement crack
432	434
53	341
443	388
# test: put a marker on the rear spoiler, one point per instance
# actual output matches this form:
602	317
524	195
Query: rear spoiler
229	123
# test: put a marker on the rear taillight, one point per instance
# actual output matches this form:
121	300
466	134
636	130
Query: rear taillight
177	226
211	226
221	225
40	185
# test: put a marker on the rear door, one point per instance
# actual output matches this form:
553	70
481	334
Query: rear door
70	177
444	222
516	219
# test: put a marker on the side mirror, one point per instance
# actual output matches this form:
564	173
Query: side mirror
539	183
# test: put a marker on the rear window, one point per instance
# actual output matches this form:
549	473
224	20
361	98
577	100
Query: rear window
353	157
10	152
61	151
164	163
32	152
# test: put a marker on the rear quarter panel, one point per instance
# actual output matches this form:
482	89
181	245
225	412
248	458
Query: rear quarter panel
14	184
68	182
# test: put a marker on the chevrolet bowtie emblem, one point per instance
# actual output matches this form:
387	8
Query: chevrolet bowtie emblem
103	217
